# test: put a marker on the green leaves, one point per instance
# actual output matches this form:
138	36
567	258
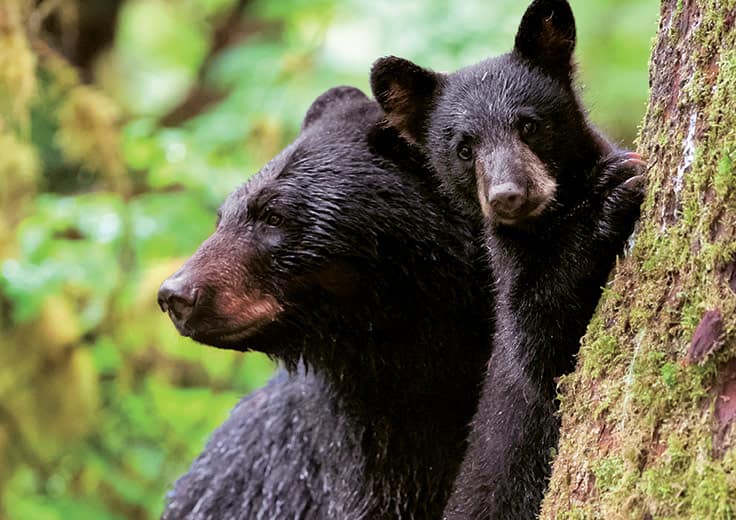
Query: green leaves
68	245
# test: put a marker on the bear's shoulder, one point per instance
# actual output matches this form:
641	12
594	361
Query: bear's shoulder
292	417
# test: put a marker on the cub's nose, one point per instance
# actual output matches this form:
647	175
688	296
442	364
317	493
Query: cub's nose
177	297
506	199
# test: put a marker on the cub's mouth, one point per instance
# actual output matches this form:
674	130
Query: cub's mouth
509	204
529	212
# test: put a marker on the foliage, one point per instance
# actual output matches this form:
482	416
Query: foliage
106	188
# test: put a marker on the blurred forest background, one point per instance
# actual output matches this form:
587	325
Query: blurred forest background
123	124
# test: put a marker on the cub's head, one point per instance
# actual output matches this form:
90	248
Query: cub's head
507	136
321	237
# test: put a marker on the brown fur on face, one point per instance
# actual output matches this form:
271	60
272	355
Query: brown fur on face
514	162
227	301
244	313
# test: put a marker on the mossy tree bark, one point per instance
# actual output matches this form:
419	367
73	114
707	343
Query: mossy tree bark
647	417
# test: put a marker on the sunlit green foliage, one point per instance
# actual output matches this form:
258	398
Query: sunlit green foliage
105	191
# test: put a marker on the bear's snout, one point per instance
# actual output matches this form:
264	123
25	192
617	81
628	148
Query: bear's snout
178	298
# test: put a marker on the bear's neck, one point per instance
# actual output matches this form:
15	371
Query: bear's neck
409	363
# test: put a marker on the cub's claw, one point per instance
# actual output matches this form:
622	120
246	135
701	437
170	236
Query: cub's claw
634	156
615	170
620	189
635	183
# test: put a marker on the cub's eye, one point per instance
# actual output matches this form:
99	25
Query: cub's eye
272	219
464	152
529	128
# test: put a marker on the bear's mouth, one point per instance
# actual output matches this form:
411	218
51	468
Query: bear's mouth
230	321
230	336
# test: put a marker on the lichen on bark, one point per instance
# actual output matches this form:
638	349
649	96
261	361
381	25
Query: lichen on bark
647	424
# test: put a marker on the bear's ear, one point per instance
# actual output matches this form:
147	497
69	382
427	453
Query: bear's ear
546	37
406	93
332	98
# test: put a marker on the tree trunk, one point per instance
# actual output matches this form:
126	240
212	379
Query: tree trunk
647	417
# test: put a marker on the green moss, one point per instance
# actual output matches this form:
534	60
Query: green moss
690	316
602	352
678	9
713	492
17	66
19	171
726	174
693	486
89	134
608	473
669	374
637	418
576	514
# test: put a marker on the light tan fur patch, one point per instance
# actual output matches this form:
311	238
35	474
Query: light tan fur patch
541	185
485	204
398	117
255	309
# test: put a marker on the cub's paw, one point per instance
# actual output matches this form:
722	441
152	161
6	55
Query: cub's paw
620	188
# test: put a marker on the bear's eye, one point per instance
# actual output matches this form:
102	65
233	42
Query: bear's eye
465	152
529	128
272	219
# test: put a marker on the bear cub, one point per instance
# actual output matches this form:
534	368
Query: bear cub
510	143
342	259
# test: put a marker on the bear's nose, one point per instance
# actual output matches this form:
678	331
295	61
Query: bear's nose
178	298
507	198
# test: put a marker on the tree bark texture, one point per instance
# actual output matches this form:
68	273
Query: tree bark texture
648	417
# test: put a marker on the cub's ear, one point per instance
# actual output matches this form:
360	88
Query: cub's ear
546	37
406	93
334	97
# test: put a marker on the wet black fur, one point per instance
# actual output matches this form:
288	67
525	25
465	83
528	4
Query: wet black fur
548	271
384	329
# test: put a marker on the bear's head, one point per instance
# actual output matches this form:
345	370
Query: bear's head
507	136
329	236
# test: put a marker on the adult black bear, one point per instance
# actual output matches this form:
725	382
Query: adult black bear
510	142
358	274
